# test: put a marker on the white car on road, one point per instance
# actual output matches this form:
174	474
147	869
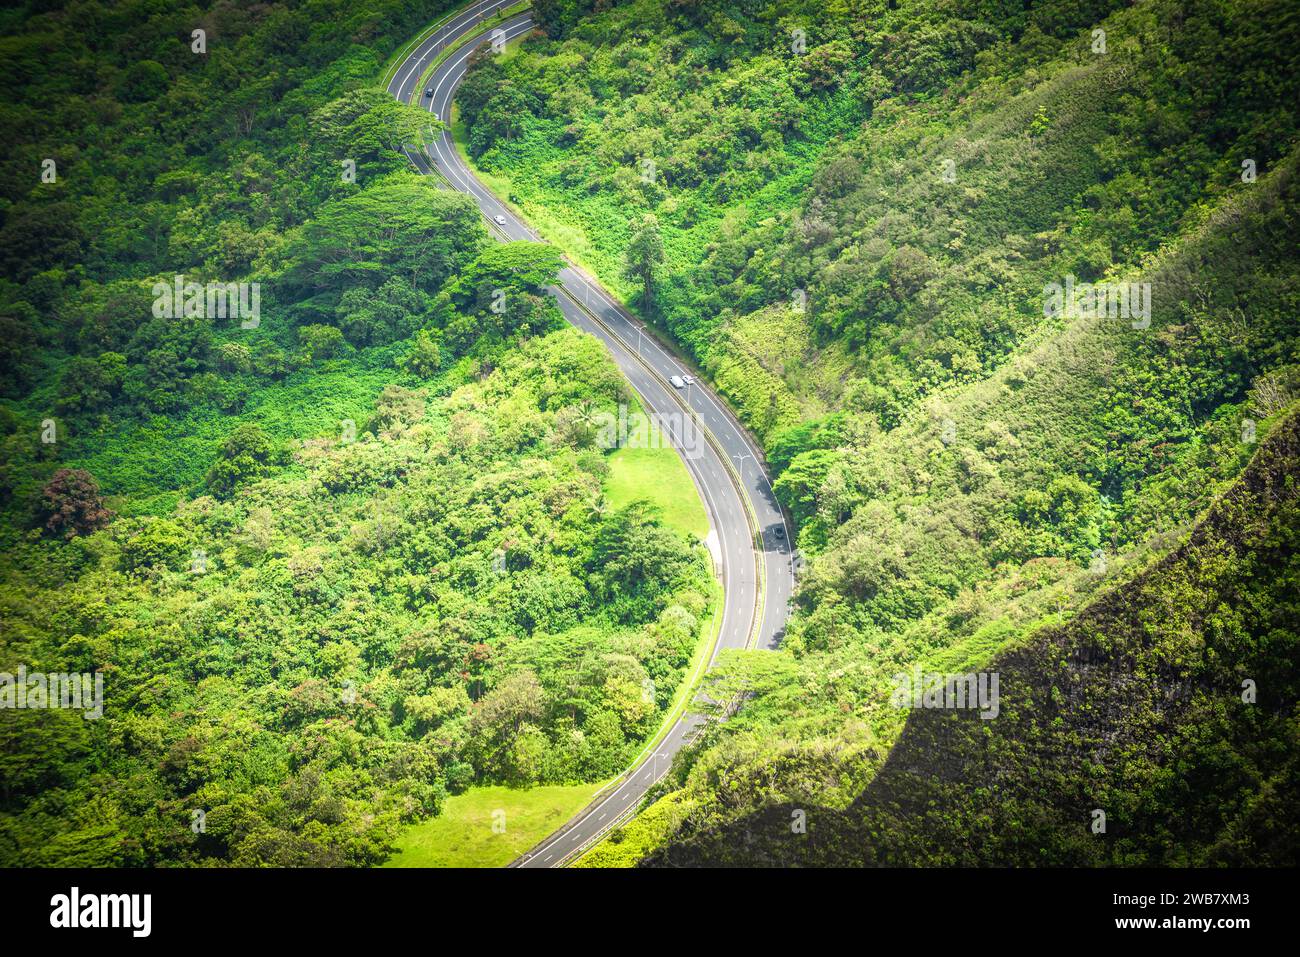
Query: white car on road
499	220
677	381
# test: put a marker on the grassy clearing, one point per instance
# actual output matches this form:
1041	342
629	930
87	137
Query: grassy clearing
659	477
172	453
462	835
399	56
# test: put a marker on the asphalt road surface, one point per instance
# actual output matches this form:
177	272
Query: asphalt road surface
648	366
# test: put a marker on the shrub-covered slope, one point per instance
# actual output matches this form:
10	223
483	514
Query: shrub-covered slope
1169	704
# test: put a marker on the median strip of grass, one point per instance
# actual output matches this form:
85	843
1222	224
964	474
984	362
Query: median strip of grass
567	236
400	56
468	37
627	844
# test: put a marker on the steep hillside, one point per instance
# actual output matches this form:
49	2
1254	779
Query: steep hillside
872	278
1169	703
860	225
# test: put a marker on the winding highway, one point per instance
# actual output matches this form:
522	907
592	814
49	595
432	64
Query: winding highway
748	536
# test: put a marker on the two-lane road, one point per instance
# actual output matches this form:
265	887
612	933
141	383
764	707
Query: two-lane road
648	366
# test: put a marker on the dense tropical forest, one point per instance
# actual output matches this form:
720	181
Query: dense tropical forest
338	559
862	207
349	546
